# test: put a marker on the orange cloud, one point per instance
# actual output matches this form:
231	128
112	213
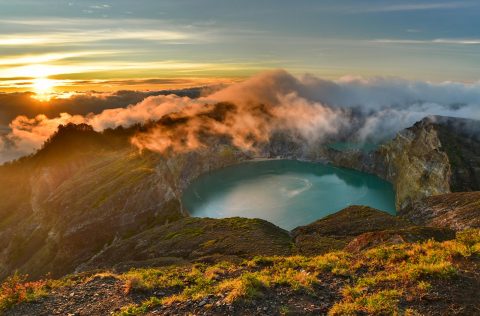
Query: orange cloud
254	112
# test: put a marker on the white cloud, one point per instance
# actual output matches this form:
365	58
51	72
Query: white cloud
415	7
63	37
314	108
448	41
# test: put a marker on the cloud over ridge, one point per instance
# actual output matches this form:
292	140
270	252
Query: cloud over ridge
253	110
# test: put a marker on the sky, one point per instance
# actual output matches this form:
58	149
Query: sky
75	45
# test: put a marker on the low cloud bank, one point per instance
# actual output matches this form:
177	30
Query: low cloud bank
315	109
22	103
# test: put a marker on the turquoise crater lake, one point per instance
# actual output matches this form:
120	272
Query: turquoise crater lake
287	193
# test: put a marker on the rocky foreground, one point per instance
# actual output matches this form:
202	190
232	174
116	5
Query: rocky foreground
404	269
357	261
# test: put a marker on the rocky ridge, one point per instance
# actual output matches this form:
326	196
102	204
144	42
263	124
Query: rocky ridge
59	210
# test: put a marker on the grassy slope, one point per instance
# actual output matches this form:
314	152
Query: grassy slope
63	204
409	279
195	239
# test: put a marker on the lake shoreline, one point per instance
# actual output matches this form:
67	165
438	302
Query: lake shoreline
275	188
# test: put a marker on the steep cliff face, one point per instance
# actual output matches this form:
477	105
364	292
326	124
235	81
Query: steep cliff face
436	155
416	164
460	139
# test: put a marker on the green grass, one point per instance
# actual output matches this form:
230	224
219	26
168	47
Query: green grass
376	280
133	309
185	232
247	286
391	272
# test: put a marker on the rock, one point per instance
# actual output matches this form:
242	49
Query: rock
335	231
415	163
397	236
460	139
457	211
437	155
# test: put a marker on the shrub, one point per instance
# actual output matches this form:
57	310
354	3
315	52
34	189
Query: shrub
134	310
15	290
469	237
379	303
247	286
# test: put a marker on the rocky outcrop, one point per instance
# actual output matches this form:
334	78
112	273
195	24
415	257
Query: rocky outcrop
455	210
357	228
398	236
436	155
415	163
460	139
337	230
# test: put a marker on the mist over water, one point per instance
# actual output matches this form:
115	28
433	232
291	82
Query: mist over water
285	192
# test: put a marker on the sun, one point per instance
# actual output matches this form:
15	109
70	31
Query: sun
43	88
43	85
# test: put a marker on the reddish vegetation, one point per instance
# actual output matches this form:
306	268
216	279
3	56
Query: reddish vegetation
15	290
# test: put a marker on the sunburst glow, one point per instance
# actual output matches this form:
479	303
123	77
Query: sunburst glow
43	88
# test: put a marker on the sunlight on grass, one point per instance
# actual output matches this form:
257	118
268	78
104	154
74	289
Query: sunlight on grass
377	278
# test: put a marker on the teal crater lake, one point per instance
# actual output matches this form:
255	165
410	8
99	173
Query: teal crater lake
288	193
